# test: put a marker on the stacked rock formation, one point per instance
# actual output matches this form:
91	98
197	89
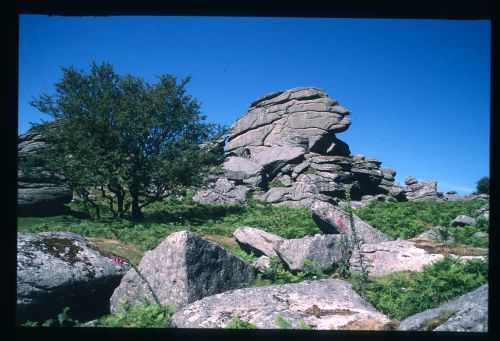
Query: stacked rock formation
38	195
285	150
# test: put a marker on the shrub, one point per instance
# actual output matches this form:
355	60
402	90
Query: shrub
277	274
237	323
143	315
483	185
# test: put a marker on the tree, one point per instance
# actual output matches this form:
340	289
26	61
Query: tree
134	142
483	185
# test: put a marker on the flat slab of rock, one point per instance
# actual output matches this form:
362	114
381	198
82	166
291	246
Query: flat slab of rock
257	241
58	269
243	170
468	313
182	269
329	219
324	250
323	304
275	158
392	256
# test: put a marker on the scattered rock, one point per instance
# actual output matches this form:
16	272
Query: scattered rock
463	220
392	256
483	212
324	250
323	304
257	241
182	269
262	263
410	180
468	313
332	220
481	234
58	269
243	170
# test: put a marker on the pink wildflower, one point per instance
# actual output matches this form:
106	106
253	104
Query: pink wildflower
117	260
340	223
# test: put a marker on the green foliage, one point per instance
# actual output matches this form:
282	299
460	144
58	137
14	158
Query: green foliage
143	315
133	142
282	323
278	274
63	319
403	294
164	218
241	254
409	219
483	185
237	323
29	324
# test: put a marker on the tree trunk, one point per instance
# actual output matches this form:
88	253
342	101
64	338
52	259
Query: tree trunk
136	209
119	202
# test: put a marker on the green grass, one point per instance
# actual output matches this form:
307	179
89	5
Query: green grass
162	219
409	219
403	294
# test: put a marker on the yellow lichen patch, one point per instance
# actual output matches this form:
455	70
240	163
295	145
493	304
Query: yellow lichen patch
445	249
223	241
111	247
363	325
443	316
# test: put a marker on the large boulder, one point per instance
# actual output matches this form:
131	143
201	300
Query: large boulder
222	192
257	241
483	212
300	194
41	194
284	118
333	220
468	313
323	304
182	269
463	220
384	258
325	251
59	269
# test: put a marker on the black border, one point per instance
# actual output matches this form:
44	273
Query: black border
423	9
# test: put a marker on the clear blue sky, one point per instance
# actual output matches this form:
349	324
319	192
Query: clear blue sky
418	90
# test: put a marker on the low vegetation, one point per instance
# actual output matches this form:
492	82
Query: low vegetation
403	294
143	315
409	219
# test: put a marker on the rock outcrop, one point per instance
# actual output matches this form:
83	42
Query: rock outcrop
257	241
468	313
322	304
463	220
417	191
393	256
285	149
41	194
483	212
58	269
182	269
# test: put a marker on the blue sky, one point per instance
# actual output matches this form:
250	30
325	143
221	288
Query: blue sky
418	90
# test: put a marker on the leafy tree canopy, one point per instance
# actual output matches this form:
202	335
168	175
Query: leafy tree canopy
132	142
483	185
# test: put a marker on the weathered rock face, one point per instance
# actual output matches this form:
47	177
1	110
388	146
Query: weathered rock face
40	195
416	191
483	212
58	269
393	256
324	251
286	148
300	116
257	241
221	192
468	313
182	269
332	220
323	304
